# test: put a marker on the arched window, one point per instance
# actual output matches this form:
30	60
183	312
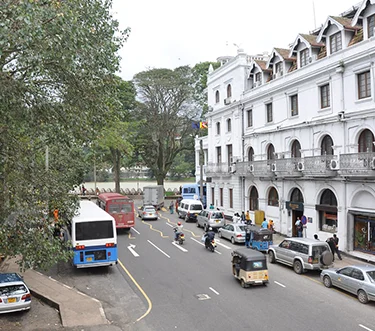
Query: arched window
254	198
326	146
296	149
366	142
229	125
270	152
229	91
251	154
273	197
296	196
217	97
327	211
218	128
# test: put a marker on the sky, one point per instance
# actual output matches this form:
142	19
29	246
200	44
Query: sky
172	33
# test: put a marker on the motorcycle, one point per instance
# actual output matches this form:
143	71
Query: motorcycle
180	239
210	245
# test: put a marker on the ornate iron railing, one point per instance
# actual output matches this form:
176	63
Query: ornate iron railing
357	164
319	165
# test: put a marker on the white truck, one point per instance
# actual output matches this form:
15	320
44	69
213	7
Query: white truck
153	195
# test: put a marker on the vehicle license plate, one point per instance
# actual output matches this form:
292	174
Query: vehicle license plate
217	221
150	214
12	300
88	259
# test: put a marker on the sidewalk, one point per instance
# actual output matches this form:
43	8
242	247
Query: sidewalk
76	308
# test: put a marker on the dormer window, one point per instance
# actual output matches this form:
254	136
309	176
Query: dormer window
217	97
304	57
258	77
335	42
279	68
229	91
370	26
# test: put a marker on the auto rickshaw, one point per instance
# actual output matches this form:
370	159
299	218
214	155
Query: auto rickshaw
260	238
250	267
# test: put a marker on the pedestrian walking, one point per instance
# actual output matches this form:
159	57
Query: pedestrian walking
247	236
331	244
299	227
243	217
84	190
264	224
212	206
236	218
271	225
336	242
247	217
171	207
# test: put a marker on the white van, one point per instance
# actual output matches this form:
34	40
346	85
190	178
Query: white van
188	209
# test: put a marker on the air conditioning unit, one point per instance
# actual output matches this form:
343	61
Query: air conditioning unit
257	83
273	167
233	159
334	165
251	167
232	169
227	101
372	165
301	166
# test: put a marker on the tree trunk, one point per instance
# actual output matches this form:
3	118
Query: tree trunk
116	155
160	179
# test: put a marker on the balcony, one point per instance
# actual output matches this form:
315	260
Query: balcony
258	169
287	168
218	169
318	166
357	165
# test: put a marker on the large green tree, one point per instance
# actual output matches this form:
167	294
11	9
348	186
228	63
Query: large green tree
57	86
166	112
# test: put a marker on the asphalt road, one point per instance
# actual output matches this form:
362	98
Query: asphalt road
190	288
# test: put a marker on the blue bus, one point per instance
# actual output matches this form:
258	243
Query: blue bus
93	236
192	191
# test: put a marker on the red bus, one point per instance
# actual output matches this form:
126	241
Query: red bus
120	207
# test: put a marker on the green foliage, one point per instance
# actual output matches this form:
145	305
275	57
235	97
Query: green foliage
57	89
165	114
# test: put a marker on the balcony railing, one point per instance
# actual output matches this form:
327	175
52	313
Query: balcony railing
356	165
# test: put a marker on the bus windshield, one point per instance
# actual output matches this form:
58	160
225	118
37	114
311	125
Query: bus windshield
94	230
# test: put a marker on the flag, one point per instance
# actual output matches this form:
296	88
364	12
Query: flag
195	125
203	125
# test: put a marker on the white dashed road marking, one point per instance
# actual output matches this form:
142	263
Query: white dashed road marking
135	230
179	246
365	327
279	284
151	243
216	292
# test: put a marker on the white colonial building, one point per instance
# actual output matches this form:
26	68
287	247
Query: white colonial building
291	134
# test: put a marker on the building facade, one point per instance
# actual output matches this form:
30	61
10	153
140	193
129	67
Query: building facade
291	134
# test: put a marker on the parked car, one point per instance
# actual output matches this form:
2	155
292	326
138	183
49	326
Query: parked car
147	213
356	279
210	218
302	254
14	294
234	232
188	209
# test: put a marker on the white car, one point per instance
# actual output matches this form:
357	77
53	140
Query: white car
14	294
234	232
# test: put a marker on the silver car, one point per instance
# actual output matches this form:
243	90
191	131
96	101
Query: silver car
234	232
302	254
148	213
356	279
210	218
14	294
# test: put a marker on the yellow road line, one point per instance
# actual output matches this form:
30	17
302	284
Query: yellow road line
173	223
130	236
161	233
140	289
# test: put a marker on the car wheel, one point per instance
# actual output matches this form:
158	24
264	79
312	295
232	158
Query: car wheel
362	296
186	218
327	281
243	284
220	235
232	240
198	226
272	257
205	228
297	266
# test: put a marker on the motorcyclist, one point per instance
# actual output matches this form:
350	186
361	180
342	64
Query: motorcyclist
178	230
210	235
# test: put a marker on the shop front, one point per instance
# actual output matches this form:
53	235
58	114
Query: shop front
364	233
